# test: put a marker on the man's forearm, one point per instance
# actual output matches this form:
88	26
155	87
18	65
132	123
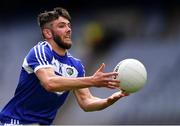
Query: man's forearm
95	104
58	83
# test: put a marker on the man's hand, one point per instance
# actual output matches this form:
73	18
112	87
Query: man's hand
101	79
90	103
116	96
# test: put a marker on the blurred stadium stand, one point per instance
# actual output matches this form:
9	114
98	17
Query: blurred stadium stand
104	31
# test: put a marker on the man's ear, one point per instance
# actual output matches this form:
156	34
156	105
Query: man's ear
47	33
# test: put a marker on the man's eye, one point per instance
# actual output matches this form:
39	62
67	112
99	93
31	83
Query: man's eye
61	26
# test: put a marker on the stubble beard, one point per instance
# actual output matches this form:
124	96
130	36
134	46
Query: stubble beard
61	43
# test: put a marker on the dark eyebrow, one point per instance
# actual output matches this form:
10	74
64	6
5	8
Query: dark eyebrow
64	23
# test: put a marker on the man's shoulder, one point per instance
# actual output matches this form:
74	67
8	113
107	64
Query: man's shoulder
41	47
42	50
77	62
43	44
73	58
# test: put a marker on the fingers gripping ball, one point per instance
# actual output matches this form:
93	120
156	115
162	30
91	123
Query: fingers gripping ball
132	75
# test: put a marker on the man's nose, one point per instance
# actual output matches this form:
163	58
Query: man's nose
68	28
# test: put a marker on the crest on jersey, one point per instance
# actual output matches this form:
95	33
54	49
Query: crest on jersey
70	71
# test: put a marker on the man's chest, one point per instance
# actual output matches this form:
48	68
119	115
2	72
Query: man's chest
64	69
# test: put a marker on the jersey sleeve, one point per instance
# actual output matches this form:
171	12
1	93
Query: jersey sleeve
38	57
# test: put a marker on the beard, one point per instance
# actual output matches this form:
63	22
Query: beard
60	42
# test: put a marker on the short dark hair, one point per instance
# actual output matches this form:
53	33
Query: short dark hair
48	16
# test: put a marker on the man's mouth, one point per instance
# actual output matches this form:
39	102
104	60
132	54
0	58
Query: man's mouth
68	37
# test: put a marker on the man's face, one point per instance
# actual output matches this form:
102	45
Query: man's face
61	31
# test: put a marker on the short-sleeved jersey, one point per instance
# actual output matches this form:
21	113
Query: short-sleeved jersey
32	104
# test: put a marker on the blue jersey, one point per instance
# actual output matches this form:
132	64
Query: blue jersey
31	103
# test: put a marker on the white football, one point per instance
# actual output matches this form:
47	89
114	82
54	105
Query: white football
132	75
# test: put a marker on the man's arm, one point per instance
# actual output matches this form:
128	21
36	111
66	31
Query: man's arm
90	103
53	82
